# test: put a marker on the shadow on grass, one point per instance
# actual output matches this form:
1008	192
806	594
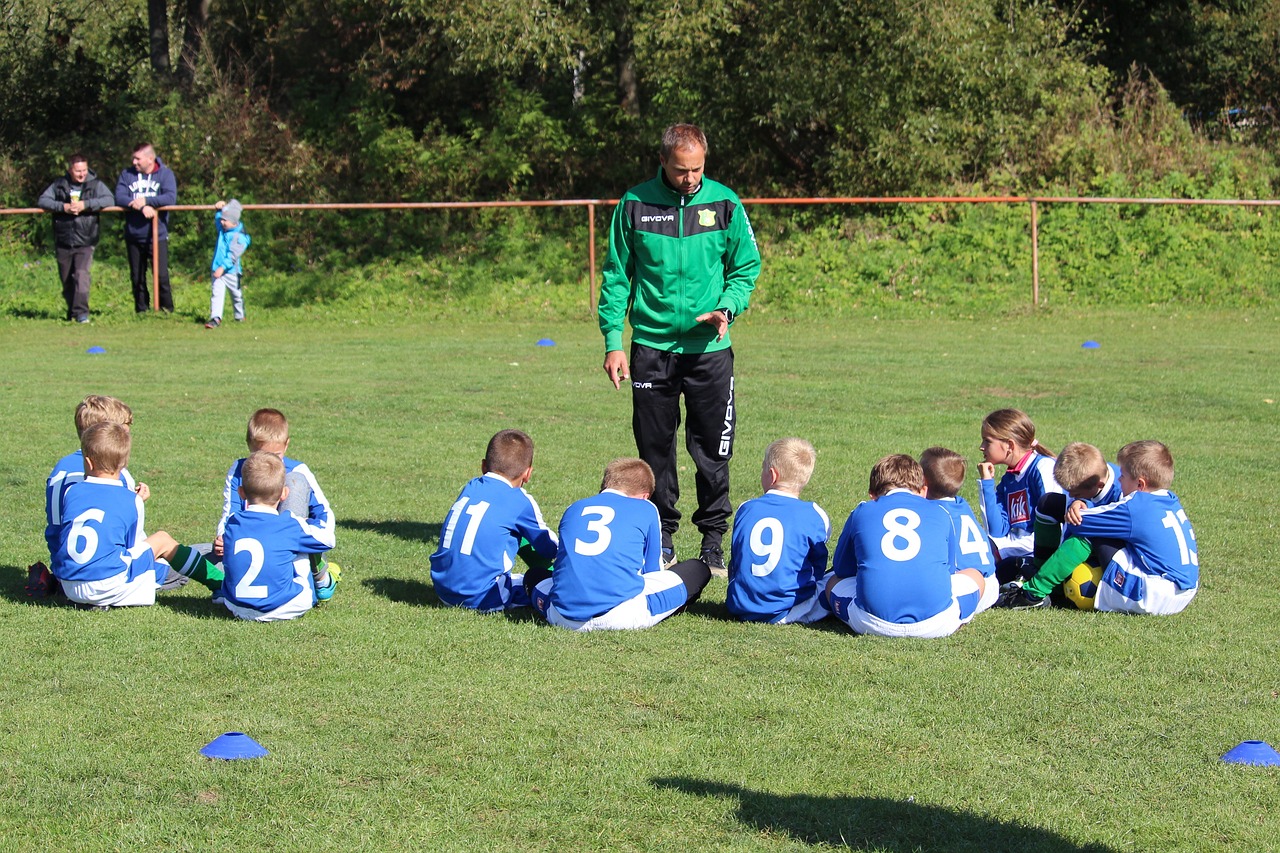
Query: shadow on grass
860	823
416	593
409	531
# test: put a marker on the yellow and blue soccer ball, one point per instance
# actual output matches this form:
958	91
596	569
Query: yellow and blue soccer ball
1081	586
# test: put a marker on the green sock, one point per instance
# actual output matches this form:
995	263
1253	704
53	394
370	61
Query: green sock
1058	568
532	558
194	565
1048	534
319	569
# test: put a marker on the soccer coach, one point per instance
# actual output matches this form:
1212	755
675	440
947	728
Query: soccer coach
682	264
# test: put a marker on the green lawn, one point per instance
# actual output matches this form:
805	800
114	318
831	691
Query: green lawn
395	724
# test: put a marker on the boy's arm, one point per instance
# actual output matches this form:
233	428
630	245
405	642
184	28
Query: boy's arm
652	542
314	539
229	496
530	525
818	553
845	561
319	512
1113	521
235	250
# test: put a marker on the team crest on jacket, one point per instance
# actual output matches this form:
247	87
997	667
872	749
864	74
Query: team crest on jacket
707	218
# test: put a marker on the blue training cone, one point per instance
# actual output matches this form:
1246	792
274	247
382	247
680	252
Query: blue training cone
1090	345
95	350
233	745
546	342
1257	752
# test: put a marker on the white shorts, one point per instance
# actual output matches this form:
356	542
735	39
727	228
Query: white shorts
860	621
134	587
663	594
808	611
1128	589
291	609
966	592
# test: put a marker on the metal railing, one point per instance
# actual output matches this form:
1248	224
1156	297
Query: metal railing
1033	203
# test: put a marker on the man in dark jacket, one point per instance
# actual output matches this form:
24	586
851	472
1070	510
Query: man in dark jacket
75	200
146	185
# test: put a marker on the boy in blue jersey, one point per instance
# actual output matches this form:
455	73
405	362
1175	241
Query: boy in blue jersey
95	408
231	243
487	526
778	560
269	431
103	559
1088	480
268	576
895	559
944	472
1143	542
608	572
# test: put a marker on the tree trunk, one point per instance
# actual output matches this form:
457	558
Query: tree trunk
193	39
158	24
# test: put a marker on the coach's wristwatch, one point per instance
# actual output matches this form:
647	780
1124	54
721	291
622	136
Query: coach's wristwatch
728	315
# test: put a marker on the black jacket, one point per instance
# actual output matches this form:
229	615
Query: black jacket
70	231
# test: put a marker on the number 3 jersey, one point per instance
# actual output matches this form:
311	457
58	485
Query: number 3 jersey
481	536
1155	531
262	547
901	547
778	555
607	541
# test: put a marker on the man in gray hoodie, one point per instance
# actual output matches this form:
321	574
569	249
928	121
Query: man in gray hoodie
75	200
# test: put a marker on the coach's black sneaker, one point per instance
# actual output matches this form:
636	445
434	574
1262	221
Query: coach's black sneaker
1017	598
713	557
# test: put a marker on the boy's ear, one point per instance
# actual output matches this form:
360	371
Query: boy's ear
484	466
240	491
284	494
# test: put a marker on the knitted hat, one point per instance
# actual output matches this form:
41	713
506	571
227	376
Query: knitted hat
231	212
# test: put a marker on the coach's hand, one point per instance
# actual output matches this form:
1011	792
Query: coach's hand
615	367
718	319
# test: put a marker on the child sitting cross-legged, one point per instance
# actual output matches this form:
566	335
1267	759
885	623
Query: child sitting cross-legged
608	573
895	563
268	573
778	559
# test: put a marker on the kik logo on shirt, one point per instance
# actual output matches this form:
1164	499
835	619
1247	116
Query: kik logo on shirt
1019	507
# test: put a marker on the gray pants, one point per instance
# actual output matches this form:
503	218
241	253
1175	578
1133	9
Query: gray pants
228	282
73	269
299	503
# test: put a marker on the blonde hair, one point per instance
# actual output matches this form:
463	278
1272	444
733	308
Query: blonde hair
267	426
630	476
510	453
98	408
106	443
898	471
1014	425
794	459
262	477
1148	460
1080	466
943	471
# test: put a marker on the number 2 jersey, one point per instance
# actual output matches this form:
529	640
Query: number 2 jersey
607	541
902	549
1155	531
778	556
262	546
481	535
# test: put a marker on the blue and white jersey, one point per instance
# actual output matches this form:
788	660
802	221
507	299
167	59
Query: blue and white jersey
70	469
1155	531
973	549
262	548
101	532
607	541
319	513
481	535
1009	507
777	557
901	547
1110	489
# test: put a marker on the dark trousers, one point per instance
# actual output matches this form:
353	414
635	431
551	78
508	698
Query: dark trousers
658	379
139	262
73	269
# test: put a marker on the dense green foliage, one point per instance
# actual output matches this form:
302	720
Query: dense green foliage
395	724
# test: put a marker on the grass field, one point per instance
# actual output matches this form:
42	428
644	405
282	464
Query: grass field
395	724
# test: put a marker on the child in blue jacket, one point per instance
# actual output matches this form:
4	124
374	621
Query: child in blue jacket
231	245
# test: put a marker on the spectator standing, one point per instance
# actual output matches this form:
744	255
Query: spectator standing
75	200
143	188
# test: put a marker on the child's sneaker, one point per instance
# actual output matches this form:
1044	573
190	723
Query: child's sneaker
214	322
40	581
1014	597
324	593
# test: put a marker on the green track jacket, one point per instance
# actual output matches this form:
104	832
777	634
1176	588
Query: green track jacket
672	258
